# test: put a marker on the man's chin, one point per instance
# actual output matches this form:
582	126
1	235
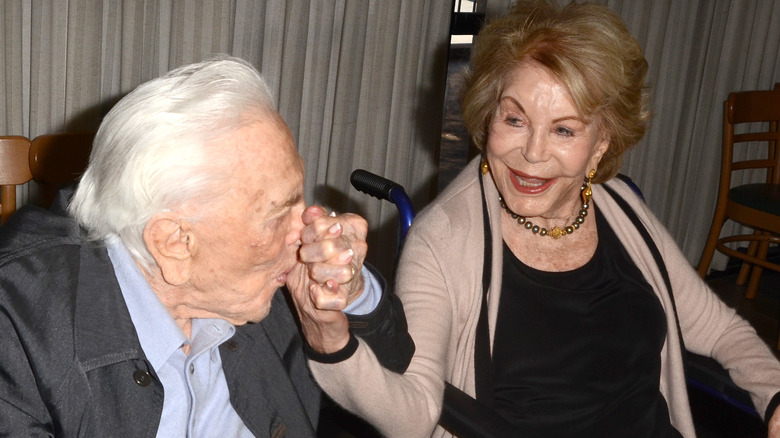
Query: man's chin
252	318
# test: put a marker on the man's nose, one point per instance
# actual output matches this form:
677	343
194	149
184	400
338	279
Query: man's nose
296	225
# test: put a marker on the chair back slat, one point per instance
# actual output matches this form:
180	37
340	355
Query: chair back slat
58	159
756	115
14	170
754	106
750	145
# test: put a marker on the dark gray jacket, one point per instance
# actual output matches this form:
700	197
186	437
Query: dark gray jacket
71	363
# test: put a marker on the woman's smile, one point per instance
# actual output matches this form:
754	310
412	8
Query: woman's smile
528	184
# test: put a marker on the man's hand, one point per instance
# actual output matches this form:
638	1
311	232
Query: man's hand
774	425
328	276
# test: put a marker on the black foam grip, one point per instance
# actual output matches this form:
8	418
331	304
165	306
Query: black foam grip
372	184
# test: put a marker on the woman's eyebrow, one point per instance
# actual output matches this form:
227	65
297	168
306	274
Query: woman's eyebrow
512	101
575	118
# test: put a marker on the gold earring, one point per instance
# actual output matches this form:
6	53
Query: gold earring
485	166
586	190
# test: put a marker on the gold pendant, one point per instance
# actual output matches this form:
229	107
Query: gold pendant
556	232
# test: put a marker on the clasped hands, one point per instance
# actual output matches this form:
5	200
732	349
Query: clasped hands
328	276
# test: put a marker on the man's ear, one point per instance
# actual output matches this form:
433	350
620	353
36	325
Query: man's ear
170	241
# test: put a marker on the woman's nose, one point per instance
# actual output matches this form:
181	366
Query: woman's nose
535	149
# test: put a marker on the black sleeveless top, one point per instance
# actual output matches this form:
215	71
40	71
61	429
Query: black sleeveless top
577	353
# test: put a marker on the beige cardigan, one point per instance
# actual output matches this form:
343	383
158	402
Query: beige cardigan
440	284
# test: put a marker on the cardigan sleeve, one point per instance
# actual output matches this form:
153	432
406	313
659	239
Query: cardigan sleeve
384	330
710	327
408	404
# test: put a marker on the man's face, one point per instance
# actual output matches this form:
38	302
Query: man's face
247	244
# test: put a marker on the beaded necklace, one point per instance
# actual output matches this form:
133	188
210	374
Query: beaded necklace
556	232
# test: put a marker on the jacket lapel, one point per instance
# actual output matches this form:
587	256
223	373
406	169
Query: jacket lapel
124	391
269	382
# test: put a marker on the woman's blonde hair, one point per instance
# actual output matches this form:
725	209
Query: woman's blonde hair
586	47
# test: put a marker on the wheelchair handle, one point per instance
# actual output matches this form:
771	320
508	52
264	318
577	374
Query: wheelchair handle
384	189
372	184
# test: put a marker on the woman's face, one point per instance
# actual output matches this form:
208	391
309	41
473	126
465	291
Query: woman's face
538	148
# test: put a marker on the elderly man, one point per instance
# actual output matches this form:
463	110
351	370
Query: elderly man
154	306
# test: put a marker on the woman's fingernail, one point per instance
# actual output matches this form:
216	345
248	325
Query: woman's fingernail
346	256
335	228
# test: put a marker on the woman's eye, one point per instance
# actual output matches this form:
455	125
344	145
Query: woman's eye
563	131
516	121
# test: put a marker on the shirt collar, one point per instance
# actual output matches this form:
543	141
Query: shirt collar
157	331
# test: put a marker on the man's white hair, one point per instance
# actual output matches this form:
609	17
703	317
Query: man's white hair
150	153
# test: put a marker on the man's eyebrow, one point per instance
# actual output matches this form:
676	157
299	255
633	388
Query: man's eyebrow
291	201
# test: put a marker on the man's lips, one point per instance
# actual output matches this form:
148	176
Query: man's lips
282	278
528	184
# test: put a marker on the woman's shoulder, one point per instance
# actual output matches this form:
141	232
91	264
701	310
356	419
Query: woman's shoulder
457	207
620	195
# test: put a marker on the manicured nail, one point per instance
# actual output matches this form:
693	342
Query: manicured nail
346	256
335	228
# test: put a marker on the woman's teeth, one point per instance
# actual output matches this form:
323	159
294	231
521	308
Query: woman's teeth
529	182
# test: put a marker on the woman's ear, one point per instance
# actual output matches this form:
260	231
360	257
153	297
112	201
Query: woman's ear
170	241
601	148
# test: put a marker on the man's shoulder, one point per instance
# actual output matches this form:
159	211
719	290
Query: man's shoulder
34	230
39	259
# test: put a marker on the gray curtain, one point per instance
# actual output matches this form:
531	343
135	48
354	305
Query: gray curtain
698	51
360	82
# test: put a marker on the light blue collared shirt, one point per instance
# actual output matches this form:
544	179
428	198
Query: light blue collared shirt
197	401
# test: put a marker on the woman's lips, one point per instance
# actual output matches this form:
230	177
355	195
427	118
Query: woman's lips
528	184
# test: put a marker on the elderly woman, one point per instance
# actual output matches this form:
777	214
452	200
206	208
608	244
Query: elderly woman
537	281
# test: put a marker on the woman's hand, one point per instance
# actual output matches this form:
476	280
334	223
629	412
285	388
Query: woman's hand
328	276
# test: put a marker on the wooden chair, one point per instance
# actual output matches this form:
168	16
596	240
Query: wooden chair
57	160
750	120
14	171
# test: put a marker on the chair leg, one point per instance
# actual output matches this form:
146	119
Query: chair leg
745	269
709	247
755	275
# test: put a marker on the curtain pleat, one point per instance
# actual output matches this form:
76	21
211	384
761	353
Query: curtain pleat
360	83
349	76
